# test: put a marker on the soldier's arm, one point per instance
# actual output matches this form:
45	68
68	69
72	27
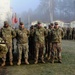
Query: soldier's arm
62	33
2	34
13	33
28	32
45	33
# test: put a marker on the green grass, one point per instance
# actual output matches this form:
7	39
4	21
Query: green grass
66	68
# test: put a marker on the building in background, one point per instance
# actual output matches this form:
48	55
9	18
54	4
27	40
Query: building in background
5	12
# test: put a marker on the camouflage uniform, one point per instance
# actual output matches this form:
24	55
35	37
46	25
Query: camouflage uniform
46	44
31	42
69	33
51	27
7	35
57	34
39	37
65	33
22	41
73	33
3	49
49	43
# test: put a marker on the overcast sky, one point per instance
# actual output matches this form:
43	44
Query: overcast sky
19	6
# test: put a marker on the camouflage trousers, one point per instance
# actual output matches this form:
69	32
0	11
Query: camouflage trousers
56	47
4	57
49	49
23	48
9	46
39	51
46	48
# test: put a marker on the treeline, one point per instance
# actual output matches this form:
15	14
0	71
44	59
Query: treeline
50	10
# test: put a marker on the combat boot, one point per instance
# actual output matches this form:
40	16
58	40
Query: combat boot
19	62
48	58
26	61
52	61
11	63
59	61
36	61
3	64
43	61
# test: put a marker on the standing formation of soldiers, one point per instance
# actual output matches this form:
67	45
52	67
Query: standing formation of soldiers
69	33
39	42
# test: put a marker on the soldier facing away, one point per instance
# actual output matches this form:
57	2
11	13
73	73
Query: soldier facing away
22	43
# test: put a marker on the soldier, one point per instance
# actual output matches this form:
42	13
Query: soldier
46	43
51	27
73	34
39	37
57	34
31	42
3	51
69	33
7	34
22	42
65	32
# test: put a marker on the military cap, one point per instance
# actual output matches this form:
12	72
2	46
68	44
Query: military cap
21	23
5	22
38	22
51	24
56	23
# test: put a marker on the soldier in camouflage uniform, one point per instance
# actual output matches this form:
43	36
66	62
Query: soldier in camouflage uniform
51	27
39	37
46	43
65	32
22	41
73	34
56	35
3	51
31	42
7	33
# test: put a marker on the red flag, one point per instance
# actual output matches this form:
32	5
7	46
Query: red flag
14	19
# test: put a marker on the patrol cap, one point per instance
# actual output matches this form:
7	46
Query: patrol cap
51	24
56	23
21	23
6	22
38	22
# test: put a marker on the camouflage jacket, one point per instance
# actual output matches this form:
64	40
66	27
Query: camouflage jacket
22	36
39	35
49	35
3	48
7	34
57	35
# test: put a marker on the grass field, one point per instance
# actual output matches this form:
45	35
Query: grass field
66	68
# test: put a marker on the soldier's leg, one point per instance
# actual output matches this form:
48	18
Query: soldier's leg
41	50
49	50
59	49
10	54
36	53
4	60
25	50
19	54
46	49
53	52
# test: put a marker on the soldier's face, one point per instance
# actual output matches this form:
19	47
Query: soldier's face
21	26
5	25
52	26
39	25
56	26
